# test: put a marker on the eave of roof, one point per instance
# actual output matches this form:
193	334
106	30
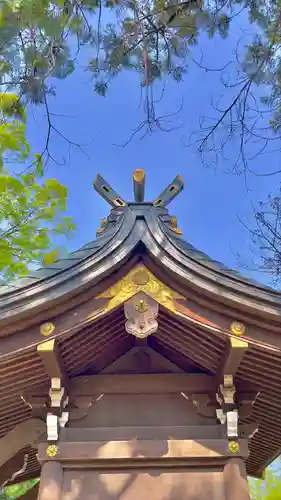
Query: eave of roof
127	227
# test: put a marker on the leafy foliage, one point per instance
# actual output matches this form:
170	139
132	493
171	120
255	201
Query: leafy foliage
34	36
30	207
266	236
16	491
269	489
153	38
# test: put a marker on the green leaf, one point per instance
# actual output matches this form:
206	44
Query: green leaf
64	69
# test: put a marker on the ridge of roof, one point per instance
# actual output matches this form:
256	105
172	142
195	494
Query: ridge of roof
127	224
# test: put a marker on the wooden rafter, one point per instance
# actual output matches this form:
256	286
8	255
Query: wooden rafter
231	358
49	353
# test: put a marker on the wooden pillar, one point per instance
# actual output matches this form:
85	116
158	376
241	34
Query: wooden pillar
50	481
235	480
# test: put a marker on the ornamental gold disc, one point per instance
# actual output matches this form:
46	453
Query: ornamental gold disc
47	329
237	328
52	450
233	447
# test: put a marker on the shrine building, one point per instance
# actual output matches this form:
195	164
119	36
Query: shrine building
137	368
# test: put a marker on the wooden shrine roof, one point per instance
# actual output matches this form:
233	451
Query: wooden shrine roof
127	228
91	336
94	347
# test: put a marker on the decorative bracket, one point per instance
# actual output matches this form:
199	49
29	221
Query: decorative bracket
205	404
231	360
227	391
141	312
56	415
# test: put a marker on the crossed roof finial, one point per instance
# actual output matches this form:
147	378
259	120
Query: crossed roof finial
109	195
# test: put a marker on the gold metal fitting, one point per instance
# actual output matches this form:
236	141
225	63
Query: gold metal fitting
141	307
47	329
233	447
237	328
52	450
139	175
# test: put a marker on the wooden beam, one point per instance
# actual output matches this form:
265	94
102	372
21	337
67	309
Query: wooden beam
108	194
49	353
232	357
138	384
139	185
38	405
128	453
169	193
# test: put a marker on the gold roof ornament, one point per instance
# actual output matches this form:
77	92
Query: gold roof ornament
233	447
139	185
174	224
47	329
237	328
140	279
141	306
52	450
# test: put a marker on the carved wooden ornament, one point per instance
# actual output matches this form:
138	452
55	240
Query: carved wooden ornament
140	279
141	312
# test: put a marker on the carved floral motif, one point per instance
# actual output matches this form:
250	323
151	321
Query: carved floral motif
141	312
233	447
52	450
140	279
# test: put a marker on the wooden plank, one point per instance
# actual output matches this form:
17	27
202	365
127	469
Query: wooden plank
140	450
72	434
140	384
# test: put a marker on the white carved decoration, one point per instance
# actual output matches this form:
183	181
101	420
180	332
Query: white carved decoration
232	423
56	393
52	427
221	416
58	399
64	418
228	389
141	312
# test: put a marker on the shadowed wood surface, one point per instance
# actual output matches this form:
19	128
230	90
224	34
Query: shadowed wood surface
193	349
26	433
31	494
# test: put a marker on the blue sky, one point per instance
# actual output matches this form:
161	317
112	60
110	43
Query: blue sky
207	209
